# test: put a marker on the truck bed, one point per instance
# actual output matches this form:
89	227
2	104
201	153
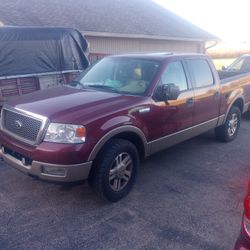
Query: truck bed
227	77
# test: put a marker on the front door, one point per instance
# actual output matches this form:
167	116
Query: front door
172	116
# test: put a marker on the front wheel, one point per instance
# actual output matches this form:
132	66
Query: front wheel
115	170
229	130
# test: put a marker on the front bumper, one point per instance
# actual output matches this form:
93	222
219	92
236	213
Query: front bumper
68	173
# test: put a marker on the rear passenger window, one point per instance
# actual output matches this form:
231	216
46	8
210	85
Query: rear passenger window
201	72
174	73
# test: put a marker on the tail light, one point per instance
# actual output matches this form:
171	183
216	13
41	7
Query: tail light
247	207
247	203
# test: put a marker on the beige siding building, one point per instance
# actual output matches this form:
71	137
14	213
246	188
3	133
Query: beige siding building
101	45
111	26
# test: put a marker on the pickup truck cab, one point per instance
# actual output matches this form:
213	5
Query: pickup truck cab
121	110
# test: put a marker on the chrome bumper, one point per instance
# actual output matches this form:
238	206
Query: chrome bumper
75	172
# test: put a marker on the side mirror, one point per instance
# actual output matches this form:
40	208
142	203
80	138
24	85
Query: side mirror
167	92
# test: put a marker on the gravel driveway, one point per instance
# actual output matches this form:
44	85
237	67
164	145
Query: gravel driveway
186	197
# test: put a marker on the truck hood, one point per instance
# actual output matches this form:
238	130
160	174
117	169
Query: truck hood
72	105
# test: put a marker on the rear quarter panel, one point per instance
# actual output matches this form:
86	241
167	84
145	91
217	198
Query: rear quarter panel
233	88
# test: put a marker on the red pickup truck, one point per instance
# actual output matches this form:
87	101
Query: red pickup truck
121	110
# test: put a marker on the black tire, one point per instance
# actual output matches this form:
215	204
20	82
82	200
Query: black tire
225	132
107	161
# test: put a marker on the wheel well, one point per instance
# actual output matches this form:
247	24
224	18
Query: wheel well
129	136
239	103
135	139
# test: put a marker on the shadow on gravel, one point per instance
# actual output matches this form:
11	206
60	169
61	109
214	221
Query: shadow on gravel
69	186
246	116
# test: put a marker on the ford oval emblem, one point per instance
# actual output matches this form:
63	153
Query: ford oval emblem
18	124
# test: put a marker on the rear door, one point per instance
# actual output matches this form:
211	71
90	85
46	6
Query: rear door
206	91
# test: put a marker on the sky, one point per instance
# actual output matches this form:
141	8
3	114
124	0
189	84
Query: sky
227	19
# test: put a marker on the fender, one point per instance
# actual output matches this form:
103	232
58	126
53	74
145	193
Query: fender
232	101
114	132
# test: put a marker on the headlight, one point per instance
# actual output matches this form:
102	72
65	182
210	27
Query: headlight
65	133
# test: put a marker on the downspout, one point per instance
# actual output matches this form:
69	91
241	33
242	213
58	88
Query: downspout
211	46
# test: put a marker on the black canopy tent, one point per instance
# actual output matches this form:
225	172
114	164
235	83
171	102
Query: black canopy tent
38	50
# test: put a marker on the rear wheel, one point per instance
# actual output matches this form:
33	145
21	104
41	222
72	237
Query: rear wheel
115	170
229	130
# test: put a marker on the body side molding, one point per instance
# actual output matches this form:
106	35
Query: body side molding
185	134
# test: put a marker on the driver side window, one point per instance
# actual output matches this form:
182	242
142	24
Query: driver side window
174	73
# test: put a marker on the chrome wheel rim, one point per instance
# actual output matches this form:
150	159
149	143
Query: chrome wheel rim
120	172
233	124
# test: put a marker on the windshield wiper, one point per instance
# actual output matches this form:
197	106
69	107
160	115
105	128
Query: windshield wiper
105	87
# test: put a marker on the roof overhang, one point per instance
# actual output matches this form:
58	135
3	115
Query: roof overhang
142	36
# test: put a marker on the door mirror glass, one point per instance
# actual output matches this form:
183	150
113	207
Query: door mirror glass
167	92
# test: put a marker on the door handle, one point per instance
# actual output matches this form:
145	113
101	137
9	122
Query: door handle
190	101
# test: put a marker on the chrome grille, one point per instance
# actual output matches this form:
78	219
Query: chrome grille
21	125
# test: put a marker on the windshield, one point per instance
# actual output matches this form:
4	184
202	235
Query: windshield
121	75
240	65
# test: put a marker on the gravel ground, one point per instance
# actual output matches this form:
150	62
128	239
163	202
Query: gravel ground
187	197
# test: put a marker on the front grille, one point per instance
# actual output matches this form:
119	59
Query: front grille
21	125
